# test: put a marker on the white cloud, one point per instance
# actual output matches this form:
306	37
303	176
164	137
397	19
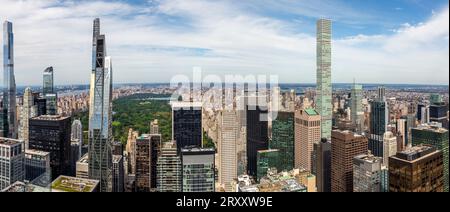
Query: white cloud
152	43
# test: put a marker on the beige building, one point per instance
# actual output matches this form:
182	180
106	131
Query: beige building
82	167
307	133
228	137
389	147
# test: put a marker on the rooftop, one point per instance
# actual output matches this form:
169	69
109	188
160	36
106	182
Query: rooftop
186	105
73	184
311	112
432	127
197	150
9	142
50	118
36	152
412	154
84	159
116	158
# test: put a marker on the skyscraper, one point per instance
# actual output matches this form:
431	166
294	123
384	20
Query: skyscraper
37	163
198	169
324	87
52	134
417	169
345	146
257	135
307	133
100	113
283	139
147	147
169	169
12	167
357	113
323	165
228	137
48	92
187	124
367	173
389	147
28	110
118	175
438	110
47	82
77	134
437	137
8	127
378	123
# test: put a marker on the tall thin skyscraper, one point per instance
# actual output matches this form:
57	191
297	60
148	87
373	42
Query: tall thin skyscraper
324	87
8	127
357	108
257	135
27	111
100	113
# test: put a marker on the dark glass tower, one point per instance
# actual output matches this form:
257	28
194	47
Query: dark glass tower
52	134
283	139
257	135
187	124
48	92
378	123
8	125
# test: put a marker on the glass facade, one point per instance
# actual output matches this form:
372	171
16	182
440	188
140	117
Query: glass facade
187	125
198	170
8	127
267	159
437	137
257	136
378	126
283	139
169	169
100	113
357	107
324	87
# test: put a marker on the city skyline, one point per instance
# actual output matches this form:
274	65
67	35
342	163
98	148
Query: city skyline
165	38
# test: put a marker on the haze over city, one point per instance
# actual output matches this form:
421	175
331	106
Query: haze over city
400	41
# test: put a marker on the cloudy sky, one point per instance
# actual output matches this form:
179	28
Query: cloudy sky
375	41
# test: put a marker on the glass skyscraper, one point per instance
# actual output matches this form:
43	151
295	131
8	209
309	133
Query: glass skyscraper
187	124
100	113
198	169
8	125
283	139
357	107
378	123
48	91
324	87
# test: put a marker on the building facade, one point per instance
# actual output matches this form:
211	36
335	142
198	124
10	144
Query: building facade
367	173
257	135
187	124
227	151
118	175
345	145
283	139
100	113
307	133
169	169
198	169
12	167
52	134
378	122
417	169
322	152
37	163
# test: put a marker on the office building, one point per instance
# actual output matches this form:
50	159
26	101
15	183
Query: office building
37	163
267	159
307	133
100	113
378	122
154	127
118	175
169	175
367	173
436	136
389	146
345	145
8	113
417	169
143	164
187	124
322	152
12	167
198	169
41	104
73	184
283	139
438	110
357	113
77	134
27	111
257	134
82	167
228	142
324	88
49	93
52	134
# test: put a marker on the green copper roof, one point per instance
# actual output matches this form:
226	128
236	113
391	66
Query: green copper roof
311	112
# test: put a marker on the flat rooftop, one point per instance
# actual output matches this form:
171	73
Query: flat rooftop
36	152
74	184
9	142
186	105
197	150
84	159
415	153
50	118
431	127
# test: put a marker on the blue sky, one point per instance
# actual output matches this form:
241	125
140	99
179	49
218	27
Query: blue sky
375	41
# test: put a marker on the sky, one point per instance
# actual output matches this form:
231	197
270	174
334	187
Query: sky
374	41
